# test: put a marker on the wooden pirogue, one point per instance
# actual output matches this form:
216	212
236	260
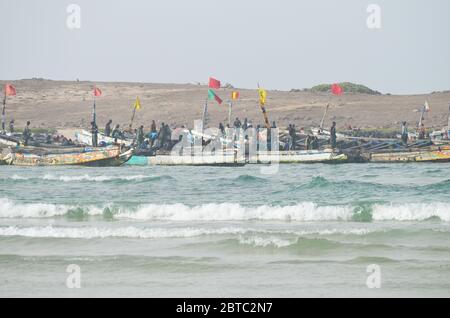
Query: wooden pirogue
37	156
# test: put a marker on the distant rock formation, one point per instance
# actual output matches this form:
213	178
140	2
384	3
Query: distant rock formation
346	86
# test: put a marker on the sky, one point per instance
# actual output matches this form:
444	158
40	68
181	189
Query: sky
281	44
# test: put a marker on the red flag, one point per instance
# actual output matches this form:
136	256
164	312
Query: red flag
336	89
97	92
10	90
213	83
218	99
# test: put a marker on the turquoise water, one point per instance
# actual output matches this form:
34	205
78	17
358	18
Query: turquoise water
307	230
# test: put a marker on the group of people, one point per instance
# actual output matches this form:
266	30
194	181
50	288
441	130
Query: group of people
161	139
422	133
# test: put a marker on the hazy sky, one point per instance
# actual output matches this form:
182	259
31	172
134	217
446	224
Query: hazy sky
282	44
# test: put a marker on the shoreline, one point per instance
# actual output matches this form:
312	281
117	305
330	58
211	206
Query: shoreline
65	105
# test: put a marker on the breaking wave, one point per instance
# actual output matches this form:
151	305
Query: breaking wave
249	236
306	212
86	177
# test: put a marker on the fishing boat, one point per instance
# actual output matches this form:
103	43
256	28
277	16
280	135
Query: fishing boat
85	137
431	154
216	160
302	156
38	156
8	141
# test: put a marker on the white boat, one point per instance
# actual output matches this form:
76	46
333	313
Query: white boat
9	140
304	156
85	137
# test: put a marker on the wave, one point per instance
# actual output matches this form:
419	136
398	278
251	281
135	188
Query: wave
11	209
303	212
276	238
86	177
125	232
250	179
249	236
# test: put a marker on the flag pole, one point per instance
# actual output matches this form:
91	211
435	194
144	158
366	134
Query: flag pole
4	113
205	113
422	117
94	125
323	117
230	109
263	109
132	119
448	123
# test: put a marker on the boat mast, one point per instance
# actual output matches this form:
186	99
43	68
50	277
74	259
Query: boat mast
324	116
263	109
205	114
230	109
448	124
132	120
4	114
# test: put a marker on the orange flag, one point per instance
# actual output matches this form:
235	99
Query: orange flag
97	92
235	95
10	90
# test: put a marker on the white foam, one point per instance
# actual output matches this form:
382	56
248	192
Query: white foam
302	212
228	212
11	209
248	236
17	177
124	232
411	212
87	177
259	241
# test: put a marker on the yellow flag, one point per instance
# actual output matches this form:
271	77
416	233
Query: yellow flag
137	104
262	96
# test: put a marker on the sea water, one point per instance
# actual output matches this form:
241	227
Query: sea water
380	230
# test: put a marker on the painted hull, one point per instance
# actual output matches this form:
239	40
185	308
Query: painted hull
85	137
414	156
307	156
231	160
111	156
168	160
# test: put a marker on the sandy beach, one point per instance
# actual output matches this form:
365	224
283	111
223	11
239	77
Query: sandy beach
67	106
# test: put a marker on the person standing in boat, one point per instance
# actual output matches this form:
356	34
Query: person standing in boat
333	135
308	141
422	132
140	136
108	128
94	132
11	126
404	133
26	133
116	134
153	127
245	124
222	129
315	143
168	137
237	123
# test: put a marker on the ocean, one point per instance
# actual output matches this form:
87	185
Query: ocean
356	230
